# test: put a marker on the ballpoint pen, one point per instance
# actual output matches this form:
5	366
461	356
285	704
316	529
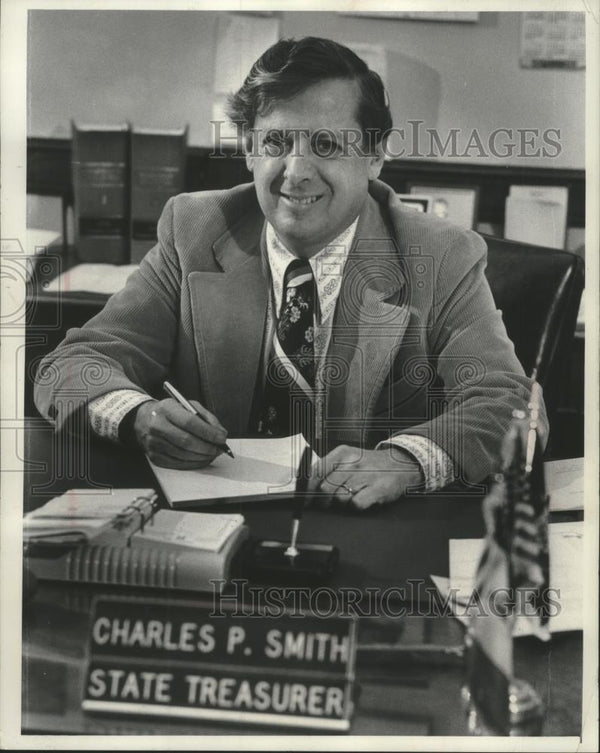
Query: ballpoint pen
301	488
176	395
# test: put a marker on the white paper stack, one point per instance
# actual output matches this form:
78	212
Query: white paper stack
565	483
83	510
566	578
537	215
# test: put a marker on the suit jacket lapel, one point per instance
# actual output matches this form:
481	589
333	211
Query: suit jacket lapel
229	310
370	323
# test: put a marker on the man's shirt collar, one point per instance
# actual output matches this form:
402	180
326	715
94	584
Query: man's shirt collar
327	266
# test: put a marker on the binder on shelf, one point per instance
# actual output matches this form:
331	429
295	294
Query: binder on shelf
124	539
101	192
158	159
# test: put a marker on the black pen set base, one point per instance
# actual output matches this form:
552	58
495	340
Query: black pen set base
313	563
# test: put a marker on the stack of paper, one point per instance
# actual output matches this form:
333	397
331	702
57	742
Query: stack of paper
564	483
566	577
121	537
537	214
83	511
87	511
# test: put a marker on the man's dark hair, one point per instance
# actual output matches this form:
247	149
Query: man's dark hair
290	66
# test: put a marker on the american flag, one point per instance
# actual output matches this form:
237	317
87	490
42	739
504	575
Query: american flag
514	562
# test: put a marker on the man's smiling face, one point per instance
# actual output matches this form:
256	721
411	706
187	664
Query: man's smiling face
309	186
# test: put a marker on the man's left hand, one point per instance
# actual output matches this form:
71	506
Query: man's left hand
363	478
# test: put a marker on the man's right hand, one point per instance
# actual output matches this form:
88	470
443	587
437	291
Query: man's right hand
174	438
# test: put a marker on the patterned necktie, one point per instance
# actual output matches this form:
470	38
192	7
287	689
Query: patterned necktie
295	330
294	347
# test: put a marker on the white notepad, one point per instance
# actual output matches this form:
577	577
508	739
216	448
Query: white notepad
262	468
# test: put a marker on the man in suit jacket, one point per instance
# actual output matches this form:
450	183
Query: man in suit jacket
415	379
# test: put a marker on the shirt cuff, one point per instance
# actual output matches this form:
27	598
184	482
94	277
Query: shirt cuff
436	464
106	412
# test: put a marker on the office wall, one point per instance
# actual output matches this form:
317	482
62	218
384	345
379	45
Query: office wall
157	70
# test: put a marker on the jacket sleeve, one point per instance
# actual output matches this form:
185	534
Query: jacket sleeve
483	381
128	345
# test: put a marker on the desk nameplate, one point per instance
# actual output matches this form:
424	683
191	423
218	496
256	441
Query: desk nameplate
177	659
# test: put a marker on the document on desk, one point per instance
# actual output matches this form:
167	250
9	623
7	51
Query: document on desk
261	469
83	510
564	483
566	577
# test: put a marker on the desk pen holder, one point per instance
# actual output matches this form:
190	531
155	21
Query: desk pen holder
314	563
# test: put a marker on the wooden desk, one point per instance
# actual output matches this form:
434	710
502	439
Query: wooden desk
398	694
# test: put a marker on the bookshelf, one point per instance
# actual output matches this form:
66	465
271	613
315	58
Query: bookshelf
49	174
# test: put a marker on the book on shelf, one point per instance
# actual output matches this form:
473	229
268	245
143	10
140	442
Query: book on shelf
123	538
100	162
158	159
